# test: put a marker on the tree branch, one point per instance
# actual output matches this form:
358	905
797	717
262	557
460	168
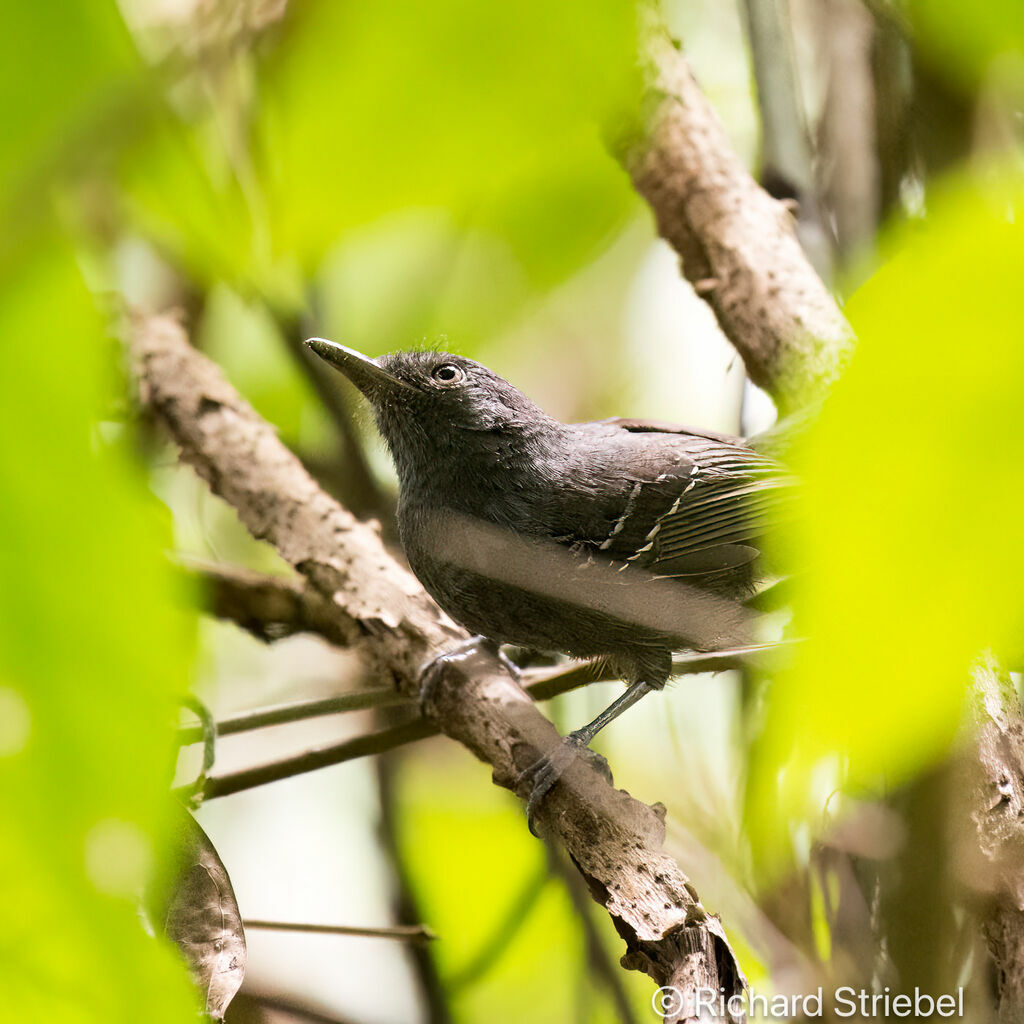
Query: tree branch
615	841
312	760
269	607
848	165
733	238
296	711
997	807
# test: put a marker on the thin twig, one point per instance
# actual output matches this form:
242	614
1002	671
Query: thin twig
320	757
405	932
552	685
206	732
297	711
362	492
555	682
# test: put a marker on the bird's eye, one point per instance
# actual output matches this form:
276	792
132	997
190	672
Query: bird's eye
446	373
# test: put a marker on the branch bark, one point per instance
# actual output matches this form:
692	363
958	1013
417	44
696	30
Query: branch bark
997	807
269	607
615	841
735	241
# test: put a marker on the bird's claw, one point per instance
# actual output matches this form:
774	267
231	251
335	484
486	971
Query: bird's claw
547	770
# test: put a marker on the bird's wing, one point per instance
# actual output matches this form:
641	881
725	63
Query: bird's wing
720	515
697	503
635	426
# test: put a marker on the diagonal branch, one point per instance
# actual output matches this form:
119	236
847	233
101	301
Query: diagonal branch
737	244
616	842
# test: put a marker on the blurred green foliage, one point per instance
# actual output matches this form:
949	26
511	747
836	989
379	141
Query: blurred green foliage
81	54
487	116
95	645
243	338
489	111
910	525
94	650
967	40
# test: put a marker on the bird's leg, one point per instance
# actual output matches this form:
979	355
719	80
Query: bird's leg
546	771
431	671
633	693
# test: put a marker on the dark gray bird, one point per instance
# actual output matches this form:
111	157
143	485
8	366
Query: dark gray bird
620	539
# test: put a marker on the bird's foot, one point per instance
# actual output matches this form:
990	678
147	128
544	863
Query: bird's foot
547	770
430	673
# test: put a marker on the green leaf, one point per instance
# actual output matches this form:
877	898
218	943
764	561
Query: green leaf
448	103
172	193
911	526
966	40
79	54
94	652
485	118
93	648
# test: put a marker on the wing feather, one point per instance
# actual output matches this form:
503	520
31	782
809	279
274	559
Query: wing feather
698	503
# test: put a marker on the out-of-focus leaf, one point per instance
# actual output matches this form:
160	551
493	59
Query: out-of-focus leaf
94	651
94	646
965	39
485	118
490	114
423	273
79	54
418	276
174	191
448	103
202	917
912	529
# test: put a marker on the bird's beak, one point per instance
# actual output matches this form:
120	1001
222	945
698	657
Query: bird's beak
374	381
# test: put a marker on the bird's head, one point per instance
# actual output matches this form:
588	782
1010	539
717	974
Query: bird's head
428	403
